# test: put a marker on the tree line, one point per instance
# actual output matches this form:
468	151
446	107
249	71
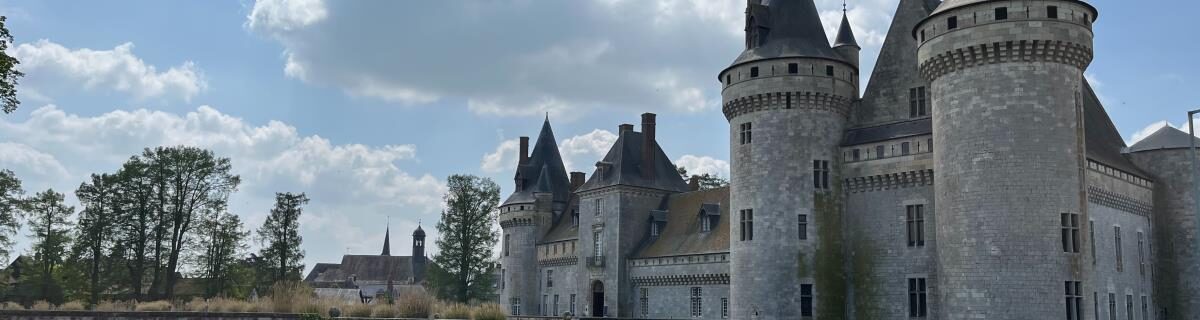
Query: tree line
139	230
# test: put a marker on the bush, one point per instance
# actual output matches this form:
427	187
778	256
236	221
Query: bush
153	306
357	310
384	310
490	311
72	306
415	304
11	306
41	305
454	311
114	306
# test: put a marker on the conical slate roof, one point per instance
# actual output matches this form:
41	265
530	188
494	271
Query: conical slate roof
544	159
1165	138
886	99
794	31
387	243
845	36
420	232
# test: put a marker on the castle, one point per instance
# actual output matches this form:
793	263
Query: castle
977	177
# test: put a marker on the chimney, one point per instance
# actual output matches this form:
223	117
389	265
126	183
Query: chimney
648	146
524	151
694	183
577	179
623	128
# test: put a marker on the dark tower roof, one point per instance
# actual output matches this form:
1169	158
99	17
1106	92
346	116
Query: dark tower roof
544	159
845	36
623	166
387	243
1166	138
419	233
886	98
952	4
793	30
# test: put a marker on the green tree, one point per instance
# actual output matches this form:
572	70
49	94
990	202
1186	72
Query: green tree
8	71
280	237
466	238
10	197
707	181
224	242
139	219
95	226
49	224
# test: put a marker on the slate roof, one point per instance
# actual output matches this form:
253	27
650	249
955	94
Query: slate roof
795	31
896	130
951	4
886	98
623	166
681	235
365	268
564	228
1166	138
845	36
543	158
1104	142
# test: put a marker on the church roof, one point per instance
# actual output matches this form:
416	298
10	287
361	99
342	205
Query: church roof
1166	138
544	158
794	31
623	166
682	235
845	36
387	242
365	268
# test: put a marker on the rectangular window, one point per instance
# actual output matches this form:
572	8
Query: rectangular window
803	226
915	217
514	306
503	279
1145	308
1117	238
1070	232
929	143
1074	296
829	70
599	207
1112	306
1095	305
747	224
1052	12
644	302
856	155
904	148
952	23
575	217
724	308
572	305
917	102
1092	239
806	300
1001	13
1141	253
821	174
549	278
754	72
728	81
697	302
507	243
544	309
555	306
1129	306
918	297
793	68
746	133
879	152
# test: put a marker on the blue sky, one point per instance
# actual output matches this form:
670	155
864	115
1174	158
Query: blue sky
368	105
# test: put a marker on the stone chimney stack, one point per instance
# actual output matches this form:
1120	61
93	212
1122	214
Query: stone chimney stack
524	151
623	128
648	146
577	180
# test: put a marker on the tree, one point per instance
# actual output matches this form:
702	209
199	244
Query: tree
224	241
466	238
95	225
10	196
707	181
48	221
280	237
136	226
8	71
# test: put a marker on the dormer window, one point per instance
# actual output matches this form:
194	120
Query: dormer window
655	229
705	223
709	213
575	217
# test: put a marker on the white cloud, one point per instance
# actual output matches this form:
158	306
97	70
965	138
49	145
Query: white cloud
352	186
285	15
1147	131
580	152
504	158
48	64
704	164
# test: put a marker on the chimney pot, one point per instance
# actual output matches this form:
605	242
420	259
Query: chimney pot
524	151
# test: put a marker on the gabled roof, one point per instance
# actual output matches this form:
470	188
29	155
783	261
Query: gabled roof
1166	138
366	268
544	158
794	31
623	166
682	235
1103	141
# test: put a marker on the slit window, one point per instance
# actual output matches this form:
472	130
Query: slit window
1129	306
793	68
1002	13
1112	306
952	23
918	298
1052	12
1117	242
728	80
1141	253
1092	239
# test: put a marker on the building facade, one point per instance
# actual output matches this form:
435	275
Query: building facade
978	176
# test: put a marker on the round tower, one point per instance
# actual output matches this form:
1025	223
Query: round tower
787	97
1006	82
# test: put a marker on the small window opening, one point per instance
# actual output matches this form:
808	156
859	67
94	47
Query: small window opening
754	72
1052	12
829	70
952	23
1001	13
793	68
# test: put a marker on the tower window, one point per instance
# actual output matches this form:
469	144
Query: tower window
697	302
1070	232
918	298
745	133
803	226
549	278
644	301
725	307
793	68
1002	13
952	23
728	80
747	224
856	154
1117	238
1074	299
806	300
904	148
1092	239
922	35
917	102
572	304
915	225
821	174
879	152
1145	308
1052	12
1141	254
754	72
507	243
829	70
1129	306
1112	306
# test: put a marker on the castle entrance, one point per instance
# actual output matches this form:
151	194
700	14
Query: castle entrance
597	298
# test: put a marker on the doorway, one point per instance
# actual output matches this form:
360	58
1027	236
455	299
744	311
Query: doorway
597	298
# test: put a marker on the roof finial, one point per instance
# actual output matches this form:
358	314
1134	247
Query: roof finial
843	6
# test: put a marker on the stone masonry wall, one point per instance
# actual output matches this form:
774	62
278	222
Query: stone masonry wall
1177	269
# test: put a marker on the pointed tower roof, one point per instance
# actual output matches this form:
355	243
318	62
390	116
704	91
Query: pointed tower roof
420	232
1165	138
793	30
845	36
544	159
387	243
886	99
543	183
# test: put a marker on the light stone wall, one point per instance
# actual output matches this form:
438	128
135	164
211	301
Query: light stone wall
566	283
672	300
519	264
1177	268
622	224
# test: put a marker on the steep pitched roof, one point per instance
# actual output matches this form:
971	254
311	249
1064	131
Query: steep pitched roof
1103	141
366	268
794	31
387	242
682	235
845	36
887	96
1166	138
895	130
544	158
951	4
623	166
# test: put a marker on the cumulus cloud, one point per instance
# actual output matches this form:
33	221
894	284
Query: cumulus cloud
704	164
503	159
353	186
285	15
580	152
48	64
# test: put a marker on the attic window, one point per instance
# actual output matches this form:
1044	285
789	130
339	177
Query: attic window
829	70
754	72
1001	13
705	222
793	68
654	229
952	23
1052	12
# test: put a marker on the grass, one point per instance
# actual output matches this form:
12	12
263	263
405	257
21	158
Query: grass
153	306
490	311
453	311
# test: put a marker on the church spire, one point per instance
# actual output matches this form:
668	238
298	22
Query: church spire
387	243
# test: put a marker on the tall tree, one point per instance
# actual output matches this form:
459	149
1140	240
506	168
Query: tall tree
280	237
95	225
8	71
48	221
10	196
224	241
198	181
137	223
466	239
707	181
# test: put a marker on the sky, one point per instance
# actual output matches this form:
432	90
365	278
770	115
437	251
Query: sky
367	106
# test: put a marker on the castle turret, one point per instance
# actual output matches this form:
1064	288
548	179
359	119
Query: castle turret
1006	83
845	43
786	97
